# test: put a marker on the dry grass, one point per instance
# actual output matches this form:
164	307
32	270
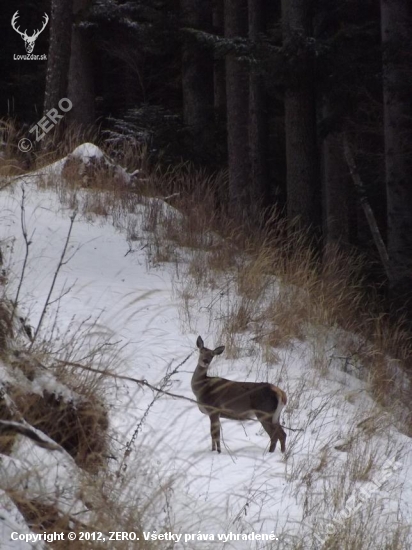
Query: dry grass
80	428
52	395
12	161
42	517
108	515
6	438
6	325
72	414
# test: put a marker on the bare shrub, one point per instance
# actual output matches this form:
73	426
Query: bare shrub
80	428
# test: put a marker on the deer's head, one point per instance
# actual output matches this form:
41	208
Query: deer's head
206	355
29	41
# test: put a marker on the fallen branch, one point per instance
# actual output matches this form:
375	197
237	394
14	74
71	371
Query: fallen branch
143	382
7	426
373	226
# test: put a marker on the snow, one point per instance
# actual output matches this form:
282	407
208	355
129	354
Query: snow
85	151
123	299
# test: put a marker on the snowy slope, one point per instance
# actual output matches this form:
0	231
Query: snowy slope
245	489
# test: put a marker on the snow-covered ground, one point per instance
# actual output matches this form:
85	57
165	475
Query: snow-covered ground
245	489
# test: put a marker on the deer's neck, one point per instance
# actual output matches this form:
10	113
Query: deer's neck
199	379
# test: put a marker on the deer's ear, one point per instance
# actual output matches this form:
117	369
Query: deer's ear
199	342
219	350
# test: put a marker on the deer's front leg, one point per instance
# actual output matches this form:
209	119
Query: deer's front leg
215	432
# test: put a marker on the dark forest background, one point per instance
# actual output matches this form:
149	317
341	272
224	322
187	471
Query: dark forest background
308	104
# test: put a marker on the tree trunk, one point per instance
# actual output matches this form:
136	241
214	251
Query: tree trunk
197	71
219	65
258	127
396	28
303	189
336	189
58	60
81	81
237	90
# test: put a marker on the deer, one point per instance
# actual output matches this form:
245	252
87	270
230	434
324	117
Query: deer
29	41
221	398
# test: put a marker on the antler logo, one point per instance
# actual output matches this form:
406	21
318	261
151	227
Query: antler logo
29	41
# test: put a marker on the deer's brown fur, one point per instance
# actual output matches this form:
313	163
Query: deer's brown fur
221	398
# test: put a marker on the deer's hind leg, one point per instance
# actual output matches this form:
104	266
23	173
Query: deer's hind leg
215	432
274	431
279	434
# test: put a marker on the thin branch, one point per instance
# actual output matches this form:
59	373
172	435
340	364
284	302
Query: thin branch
56	273
63	294
26	254
164	383
143	382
